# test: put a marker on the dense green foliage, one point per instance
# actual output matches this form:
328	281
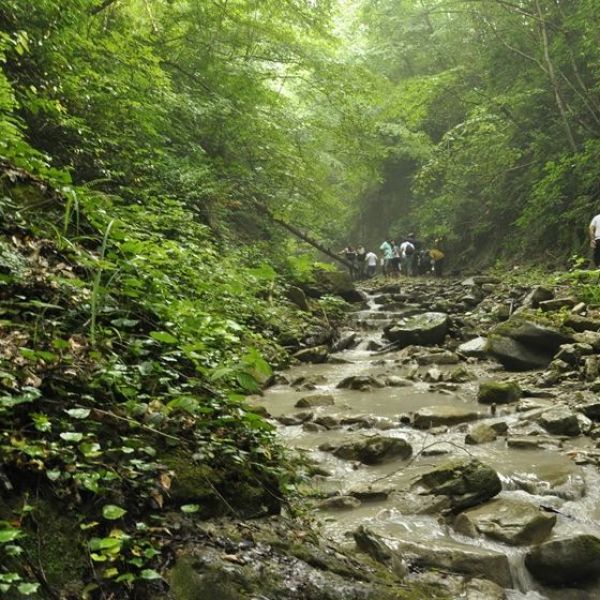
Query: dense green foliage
144	147
141	286
497	123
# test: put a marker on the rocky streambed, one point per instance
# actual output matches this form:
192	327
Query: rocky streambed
453	436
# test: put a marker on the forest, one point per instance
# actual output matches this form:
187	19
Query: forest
162	165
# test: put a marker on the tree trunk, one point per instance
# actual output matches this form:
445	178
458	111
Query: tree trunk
553	79
305	237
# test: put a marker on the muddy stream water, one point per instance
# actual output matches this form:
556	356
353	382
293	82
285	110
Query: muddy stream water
545	476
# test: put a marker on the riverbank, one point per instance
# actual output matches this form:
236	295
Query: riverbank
468	446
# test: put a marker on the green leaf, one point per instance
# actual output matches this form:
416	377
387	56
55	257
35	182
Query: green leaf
163	336
112	512
107	543
71	436
247	382
28	588
53	474
150	574
9	534
190	508
79	413
264	272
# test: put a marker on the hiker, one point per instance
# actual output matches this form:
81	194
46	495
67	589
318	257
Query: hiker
395	260
422	262
407	252
388	254
371	262
361	255
437	258
350	255
595	239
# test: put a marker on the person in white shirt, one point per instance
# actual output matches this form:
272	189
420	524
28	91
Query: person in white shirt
407	253
595	239
371	260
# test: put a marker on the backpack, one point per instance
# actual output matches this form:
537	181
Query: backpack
409	249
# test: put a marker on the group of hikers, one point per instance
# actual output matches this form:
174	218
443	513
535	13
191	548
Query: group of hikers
410	258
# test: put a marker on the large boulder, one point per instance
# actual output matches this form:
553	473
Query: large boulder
533	334
580	324
515	356
560	421
475	348
480	434
521	345
513	522
565	561
464	482
315	400
434	416
424	329
298	297
441	554
499	392
537	294
340	284
374	450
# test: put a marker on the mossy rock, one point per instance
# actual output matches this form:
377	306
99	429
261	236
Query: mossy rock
565	561
499	392
234	489
465	482
54	541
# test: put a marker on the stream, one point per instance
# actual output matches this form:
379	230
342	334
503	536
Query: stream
382	497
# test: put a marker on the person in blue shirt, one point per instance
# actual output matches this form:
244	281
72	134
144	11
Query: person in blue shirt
388	255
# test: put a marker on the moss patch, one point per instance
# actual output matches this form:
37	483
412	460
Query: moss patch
499	392
54	541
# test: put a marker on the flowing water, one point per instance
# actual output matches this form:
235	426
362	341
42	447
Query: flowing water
542	476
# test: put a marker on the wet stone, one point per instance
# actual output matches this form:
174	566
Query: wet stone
317	354
573	353
315	400
372	493
359	382
397	381
513	522
475	348
374	450
444	357
328	421
538	294
424	330
531	442
480	434
560	421
590	409
566	560
313	427
456	558
434	416
557	304
466	483
339	503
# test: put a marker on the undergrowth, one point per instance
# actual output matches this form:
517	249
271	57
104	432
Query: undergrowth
129	341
